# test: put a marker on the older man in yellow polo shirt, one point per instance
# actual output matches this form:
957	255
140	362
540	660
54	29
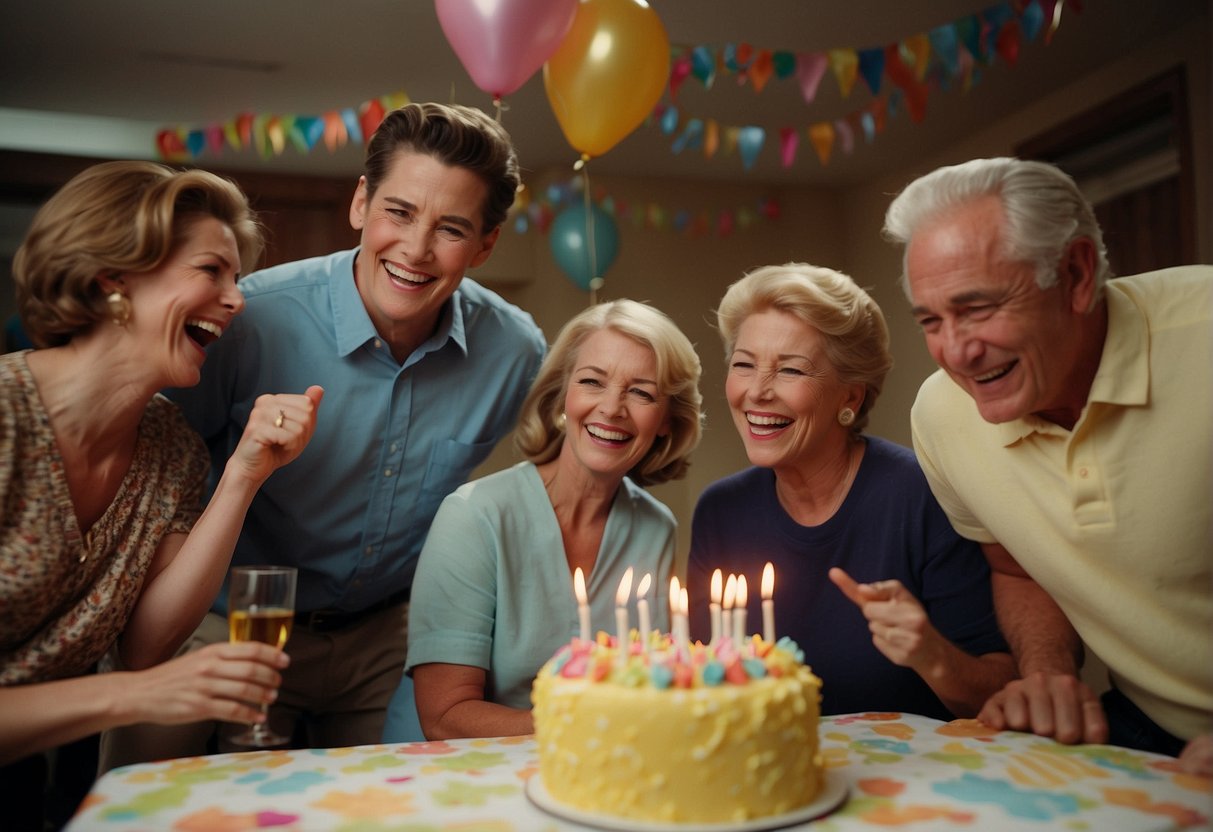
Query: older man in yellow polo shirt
1068	431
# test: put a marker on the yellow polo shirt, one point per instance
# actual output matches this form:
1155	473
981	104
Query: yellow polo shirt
1115	518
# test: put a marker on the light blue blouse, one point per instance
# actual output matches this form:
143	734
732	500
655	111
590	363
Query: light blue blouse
493	587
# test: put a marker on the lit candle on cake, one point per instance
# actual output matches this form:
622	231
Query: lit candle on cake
675	595
621	613
714	606
677	616
726	614
684	623
583	603
768	603
642	610
739	612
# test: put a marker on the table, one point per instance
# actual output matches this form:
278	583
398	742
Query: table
903	772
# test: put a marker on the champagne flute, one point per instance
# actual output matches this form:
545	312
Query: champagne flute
261	607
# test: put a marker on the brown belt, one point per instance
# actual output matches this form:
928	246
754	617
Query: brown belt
326	621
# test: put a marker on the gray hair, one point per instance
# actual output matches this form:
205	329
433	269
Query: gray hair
1043	208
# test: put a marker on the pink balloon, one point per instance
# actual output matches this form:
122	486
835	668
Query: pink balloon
502	43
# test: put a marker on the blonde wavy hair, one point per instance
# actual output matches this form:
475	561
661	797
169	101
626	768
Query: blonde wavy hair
856	335
539	436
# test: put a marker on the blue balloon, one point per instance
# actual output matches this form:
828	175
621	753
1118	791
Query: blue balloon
568	238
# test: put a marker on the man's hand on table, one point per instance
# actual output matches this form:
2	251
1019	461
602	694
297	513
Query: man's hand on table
1053	705
1197	756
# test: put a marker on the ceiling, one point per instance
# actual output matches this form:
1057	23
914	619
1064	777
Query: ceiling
173	63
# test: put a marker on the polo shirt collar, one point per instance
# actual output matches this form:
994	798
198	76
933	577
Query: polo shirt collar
1123	377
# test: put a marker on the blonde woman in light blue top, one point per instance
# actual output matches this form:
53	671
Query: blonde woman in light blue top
615	408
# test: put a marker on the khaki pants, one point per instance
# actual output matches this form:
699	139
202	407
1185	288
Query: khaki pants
335	693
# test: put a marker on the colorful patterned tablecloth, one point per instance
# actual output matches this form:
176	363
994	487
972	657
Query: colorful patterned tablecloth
903	772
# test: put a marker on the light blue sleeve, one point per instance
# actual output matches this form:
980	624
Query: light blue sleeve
454	596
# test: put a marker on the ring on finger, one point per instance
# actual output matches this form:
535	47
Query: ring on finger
281	420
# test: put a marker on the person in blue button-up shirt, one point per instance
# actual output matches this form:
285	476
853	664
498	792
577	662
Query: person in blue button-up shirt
424	371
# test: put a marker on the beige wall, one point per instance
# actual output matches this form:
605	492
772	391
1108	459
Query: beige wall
686	277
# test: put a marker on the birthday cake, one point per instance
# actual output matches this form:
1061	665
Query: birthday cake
679	733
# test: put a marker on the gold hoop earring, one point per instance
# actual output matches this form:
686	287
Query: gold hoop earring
119	308
846	416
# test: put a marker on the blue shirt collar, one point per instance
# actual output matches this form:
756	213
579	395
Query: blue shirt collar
352	324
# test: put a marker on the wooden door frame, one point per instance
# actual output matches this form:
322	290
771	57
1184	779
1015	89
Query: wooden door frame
1166	94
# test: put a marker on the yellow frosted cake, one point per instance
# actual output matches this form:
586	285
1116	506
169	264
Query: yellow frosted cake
690	735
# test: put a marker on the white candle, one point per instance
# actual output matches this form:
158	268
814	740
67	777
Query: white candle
714	606
739	613
726	614
621	614
684	624
675	603
583	603
768	603
642	611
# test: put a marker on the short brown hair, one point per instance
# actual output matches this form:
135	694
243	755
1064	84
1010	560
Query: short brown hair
115	217
457	136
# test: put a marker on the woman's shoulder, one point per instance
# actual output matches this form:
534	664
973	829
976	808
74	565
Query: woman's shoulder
744	484
893	459
506	491
642	503
164	429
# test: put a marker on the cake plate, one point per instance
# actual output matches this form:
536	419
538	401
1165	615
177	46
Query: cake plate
832	795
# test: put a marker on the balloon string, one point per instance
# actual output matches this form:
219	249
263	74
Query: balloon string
595	278
497	104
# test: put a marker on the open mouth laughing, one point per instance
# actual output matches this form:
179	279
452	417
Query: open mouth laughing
766	425
202	333
995	374
607	434
406	277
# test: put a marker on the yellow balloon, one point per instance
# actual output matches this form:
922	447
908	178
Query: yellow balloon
608	73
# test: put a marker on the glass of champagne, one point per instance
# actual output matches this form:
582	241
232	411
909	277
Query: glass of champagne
261	607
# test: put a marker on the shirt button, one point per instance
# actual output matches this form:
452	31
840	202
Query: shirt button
369	549
1084	473
387	472
394	447
378	344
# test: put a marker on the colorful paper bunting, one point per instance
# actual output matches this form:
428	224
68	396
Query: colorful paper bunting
680	70
845	64
749	144
269	134
761	70
784	64
946	56
810	69
538	213
871	67
789	140
703	66
821	136
1031	20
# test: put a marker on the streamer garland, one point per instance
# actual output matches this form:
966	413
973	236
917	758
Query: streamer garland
530	212
899	75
